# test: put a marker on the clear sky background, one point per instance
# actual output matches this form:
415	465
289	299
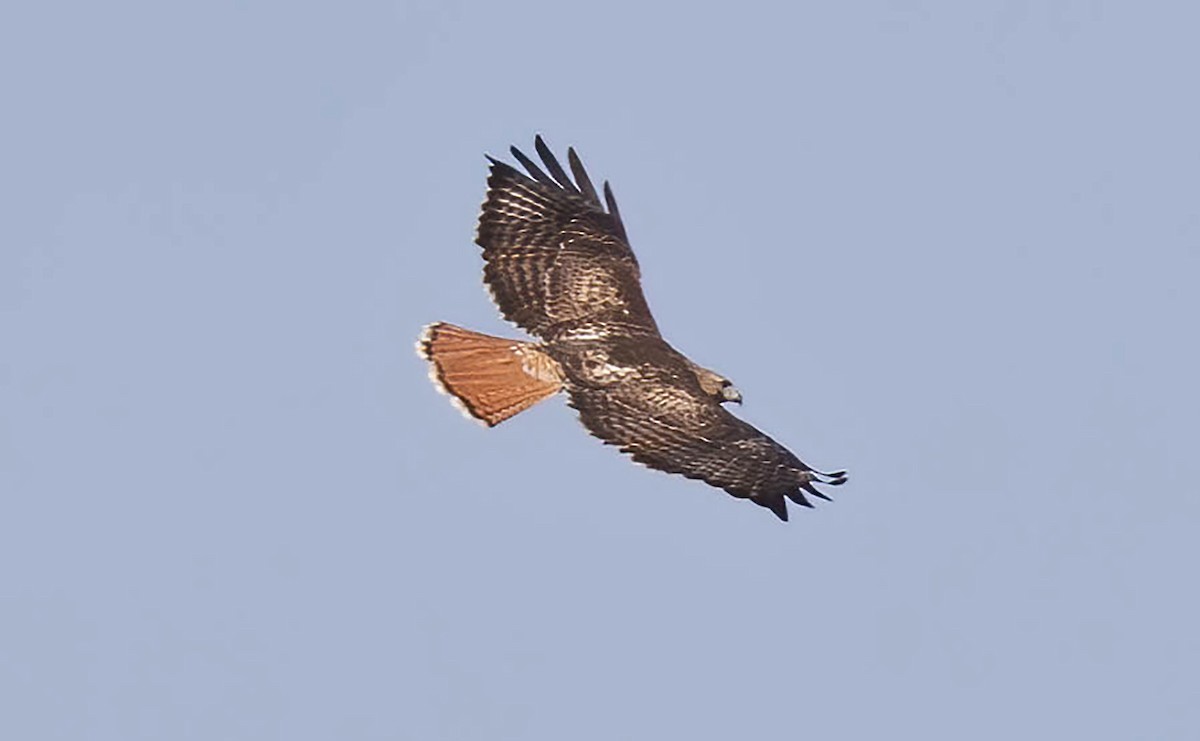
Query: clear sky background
952	247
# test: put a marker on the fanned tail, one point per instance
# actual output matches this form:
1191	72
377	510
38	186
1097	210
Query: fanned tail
488	378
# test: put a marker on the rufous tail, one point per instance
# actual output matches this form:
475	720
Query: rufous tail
488	378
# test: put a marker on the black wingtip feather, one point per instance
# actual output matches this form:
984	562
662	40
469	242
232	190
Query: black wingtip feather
551	163
814	491
500	167
581	177
773	502
531	167
799	499
614	212
836	478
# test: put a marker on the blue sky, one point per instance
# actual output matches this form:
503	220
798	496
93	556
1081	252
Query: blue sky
952	247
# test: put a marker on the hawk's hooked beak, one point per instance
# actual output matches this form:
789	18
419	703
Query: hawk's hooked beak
730	393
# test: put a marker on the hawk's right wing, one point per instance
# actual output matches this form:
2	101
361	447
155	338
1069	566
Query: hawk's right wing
556	259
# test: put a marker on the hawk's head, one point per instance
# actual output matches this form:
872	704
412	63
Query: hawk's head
716	385
729	392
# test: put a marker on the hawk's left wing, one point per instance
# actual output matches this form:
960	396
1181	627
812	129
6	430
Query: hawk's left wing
670	427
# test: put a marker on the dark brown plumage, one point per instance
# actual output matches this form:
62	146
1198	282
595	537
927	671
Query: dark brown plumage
559	265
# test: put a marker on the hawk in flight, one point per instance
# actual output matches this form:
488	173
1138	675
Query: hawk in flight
558	265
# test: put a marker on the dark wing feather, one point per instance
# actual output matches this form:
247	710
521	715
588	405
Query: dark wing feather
585	183
551	163
530	166
555	258
666	425
616	214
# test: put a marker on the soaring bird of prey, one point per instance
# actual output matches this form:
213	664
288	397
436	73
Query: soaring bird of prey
559	265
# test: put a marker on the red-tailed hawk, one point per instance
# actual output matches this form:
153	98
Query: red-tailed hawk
559	265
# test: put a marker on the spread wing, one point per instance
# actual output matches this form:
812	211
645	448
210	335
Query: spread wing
556	259
667	425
